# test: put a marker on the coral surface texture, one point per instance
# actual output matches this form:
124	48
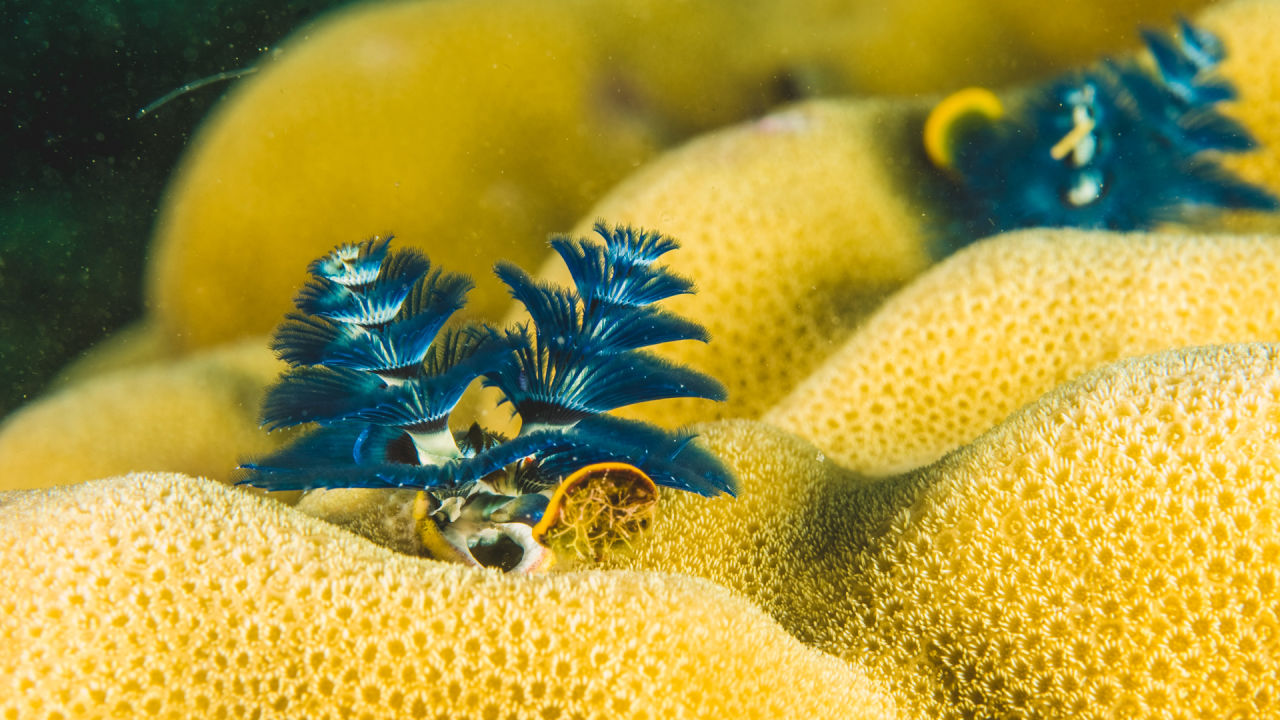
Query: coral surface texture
912	360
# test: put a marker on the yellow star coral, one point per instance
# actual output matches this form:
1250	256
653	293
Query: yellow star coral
772	542
167	596
1008	319
196	415
1110	551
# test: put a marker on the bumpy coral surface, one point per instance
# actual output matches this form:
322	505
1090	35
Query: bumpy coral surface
764	543
196	415
793	227
999	324
1110	551
167	596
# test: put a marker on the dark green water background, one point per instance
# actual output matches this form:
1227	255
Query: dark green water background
84	177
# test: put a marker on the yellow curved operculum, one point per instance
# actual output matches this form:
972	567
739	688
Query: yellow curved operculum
939	126
579	477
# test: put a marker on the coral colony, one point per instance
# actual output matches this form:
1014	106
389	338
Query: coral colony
375	367
1121	146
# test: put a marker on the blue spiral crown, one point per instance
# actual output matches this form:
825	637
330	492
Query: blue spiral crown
1120	146
376	368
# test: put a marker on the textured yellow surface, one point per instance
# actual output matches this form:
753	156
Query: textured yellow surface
168	596
198	415
1009	318
472	128
791	227
1110	551
771	542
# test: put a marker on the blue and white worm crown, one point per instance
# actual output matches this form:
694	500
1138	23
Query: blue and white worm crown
376	368
1123	145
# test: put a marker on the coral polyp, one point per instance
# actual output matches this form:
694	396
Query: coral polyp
1123	145
380	369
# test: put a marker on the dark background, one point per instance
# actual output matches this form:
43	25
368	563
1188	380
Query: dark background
84	177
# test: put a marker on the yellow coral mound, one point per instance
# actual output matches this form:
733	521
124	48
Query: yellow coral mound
166	596
791	227
1008	319
765	542
1110	551
198	416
